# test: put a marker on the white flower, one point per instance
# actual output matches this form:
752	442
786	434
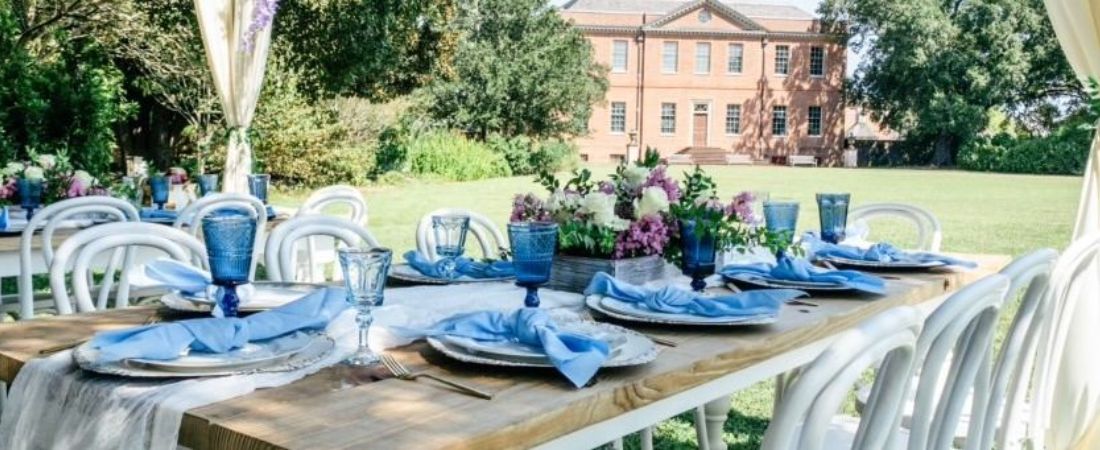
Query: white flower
601	208
47	161
560	200
13	169
34	173
86	179
654	201
635	176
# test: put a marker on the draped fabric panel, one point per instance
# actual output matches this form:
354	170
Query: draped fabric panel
238	72
1075	386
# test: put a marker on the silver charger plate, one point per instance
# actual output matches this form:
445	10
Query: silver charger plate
520	351
252	354
772	283
320	346
628	312
878	265
267	295
407	273
633	348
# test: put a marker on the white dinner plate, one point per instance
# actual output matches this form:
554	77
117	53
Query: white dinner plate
520	351
252	354
407	273
266	295
772	283
879	265
630	312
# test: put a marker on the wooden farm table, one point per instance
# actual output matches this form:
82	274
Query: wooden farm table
339	408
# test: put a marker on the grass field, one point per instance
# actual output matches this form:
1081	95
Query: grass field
980	213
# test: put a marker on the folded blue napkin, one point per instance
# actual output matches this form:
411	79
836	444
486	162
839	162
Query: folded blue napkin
178	276
576	356
677	300
158	215
167	341
800	269
463	265
880	252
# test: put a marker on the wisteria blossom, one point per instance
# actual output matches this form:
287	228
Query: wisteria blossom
263	15
80	184
644	237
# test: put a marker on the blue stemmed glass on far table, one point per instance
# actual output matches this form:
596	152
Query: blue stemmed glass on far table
450	241
159	185
258	184
208	184
30	195
230	240
699	250
833	209
780	218
365	272
533	246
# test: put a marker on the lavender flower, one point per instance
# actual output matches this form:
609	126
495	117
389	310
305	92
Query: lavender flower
263	15
646	236
528	208
741	208
607	187
659	177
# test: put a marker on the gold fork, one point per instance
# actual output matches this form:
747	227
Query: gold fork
62	347
400	371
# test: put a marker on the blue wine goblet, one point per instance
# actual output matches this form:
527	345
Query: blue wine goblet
159	184
208	184
365	272
699	250
533	246
450	242
230	241
258	184
833	209
30	195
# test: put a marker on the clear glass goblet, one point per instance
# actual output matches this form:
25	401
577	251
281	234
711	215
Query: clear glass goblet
365	272
450	242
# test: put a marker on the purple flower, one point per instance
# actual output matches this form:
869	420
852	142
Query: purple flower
607	187
646	236
659	177
528	208
263	15
741	208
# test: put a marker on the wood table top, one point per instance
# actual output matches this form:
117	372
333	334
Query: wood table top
341	407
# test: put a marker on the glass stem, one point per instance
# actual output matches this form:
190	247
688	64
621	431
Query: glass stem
364	319
532	298
230	301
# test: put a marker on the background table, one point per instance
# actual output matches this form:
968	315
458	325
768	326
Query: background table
344	408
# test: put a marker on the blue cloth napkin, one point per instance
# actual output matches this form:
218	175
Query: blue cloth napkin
463	265
178	276
166	341
676	300
159	214
800	269
880	252
576	356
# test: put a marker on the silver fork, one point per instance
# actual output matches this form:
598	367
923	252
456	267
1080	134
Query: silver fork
400	371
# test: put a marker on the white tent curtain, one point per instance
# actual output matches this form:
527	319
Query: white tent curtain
238	76
1076	387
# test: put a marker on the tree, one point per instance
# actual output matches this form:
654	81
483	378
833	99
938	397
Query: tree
936	69
520	69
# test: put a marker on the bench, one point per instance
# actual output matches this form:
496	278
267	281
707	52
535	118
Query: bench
802	160
739	159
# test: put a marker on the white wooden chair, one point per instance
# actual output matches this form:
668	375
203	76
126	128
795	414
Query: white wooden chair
191	217
54	216
804	419
929	232
280	249
1068	289
76	255
489	237
319	252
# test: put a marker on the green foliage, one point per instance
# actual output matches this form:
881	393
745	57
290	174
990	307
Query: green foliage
520	69
586	239
527	156
454	157
1062	153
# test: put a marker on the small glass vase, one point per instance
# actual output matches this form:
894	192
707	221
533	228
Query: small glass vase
230	241
833	209
699	251
450	242
533	248
30	195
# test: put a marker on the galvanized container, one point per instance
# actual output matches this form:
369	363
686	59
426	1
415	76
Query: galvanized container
572	273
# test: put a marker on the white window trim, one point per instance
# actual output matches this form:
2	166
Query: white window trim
710	58
676	66
786	120
740	120
728	58
660	123
624	69
820	125
611	117
824	63
775	63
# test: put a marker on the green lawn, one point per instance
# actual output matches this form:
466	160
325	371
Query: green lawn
980	213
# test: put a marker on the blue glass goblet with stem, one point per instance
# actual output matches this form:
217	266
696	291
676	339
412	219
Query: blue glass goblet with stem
780	219
833	210
159	185
698	245
230	241
365	272
533	247
258	184
450	242
208	184
30	195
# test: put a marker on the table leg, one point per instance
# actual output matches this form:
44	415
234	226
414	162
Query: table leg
716	412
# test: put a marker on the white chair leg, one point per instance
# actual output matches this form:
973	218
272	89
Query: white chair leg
647	438
716	412
701	435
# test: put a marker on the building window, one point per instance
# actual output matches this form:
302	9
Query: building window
782	60
733	119
619	56
702	58
779	121
817	61
736	61
618	117
670	56
814	121
668	118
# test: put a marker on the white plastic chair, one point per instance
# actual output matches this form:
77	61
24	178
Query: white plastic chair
191	217
928	227
488	235
55	215
319	252
76	255
1065	293
803	420
280	249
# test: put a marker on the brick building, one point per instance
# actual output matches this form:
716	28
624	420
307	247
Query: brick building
709	79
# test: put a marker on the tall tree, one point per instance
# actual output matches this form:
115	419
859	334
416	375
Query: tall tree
936	69
520	69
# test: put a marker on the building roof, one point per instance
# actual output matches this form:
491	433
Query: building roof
769	11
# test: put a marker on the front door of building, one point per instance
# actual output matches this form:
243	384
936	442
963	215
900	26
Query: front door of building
699	124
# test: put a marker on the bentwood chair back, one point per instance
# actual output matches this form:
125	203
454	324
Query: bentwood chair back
50	219
280	250
929	233
191	217
76	256
489	237
804	417
320	251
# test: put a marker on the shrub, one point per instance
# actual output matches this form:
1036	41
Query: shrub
1063	152
526	156
454	157
558	156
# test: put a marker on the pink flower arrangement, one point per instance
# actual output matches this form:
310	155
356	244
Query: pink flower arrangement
177	175
646	236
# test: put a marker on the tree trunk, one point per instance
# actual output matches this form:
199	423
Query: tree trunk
944	155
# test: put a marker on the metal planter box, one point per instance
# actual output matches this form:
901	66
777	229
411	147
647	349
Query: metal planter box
572	273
